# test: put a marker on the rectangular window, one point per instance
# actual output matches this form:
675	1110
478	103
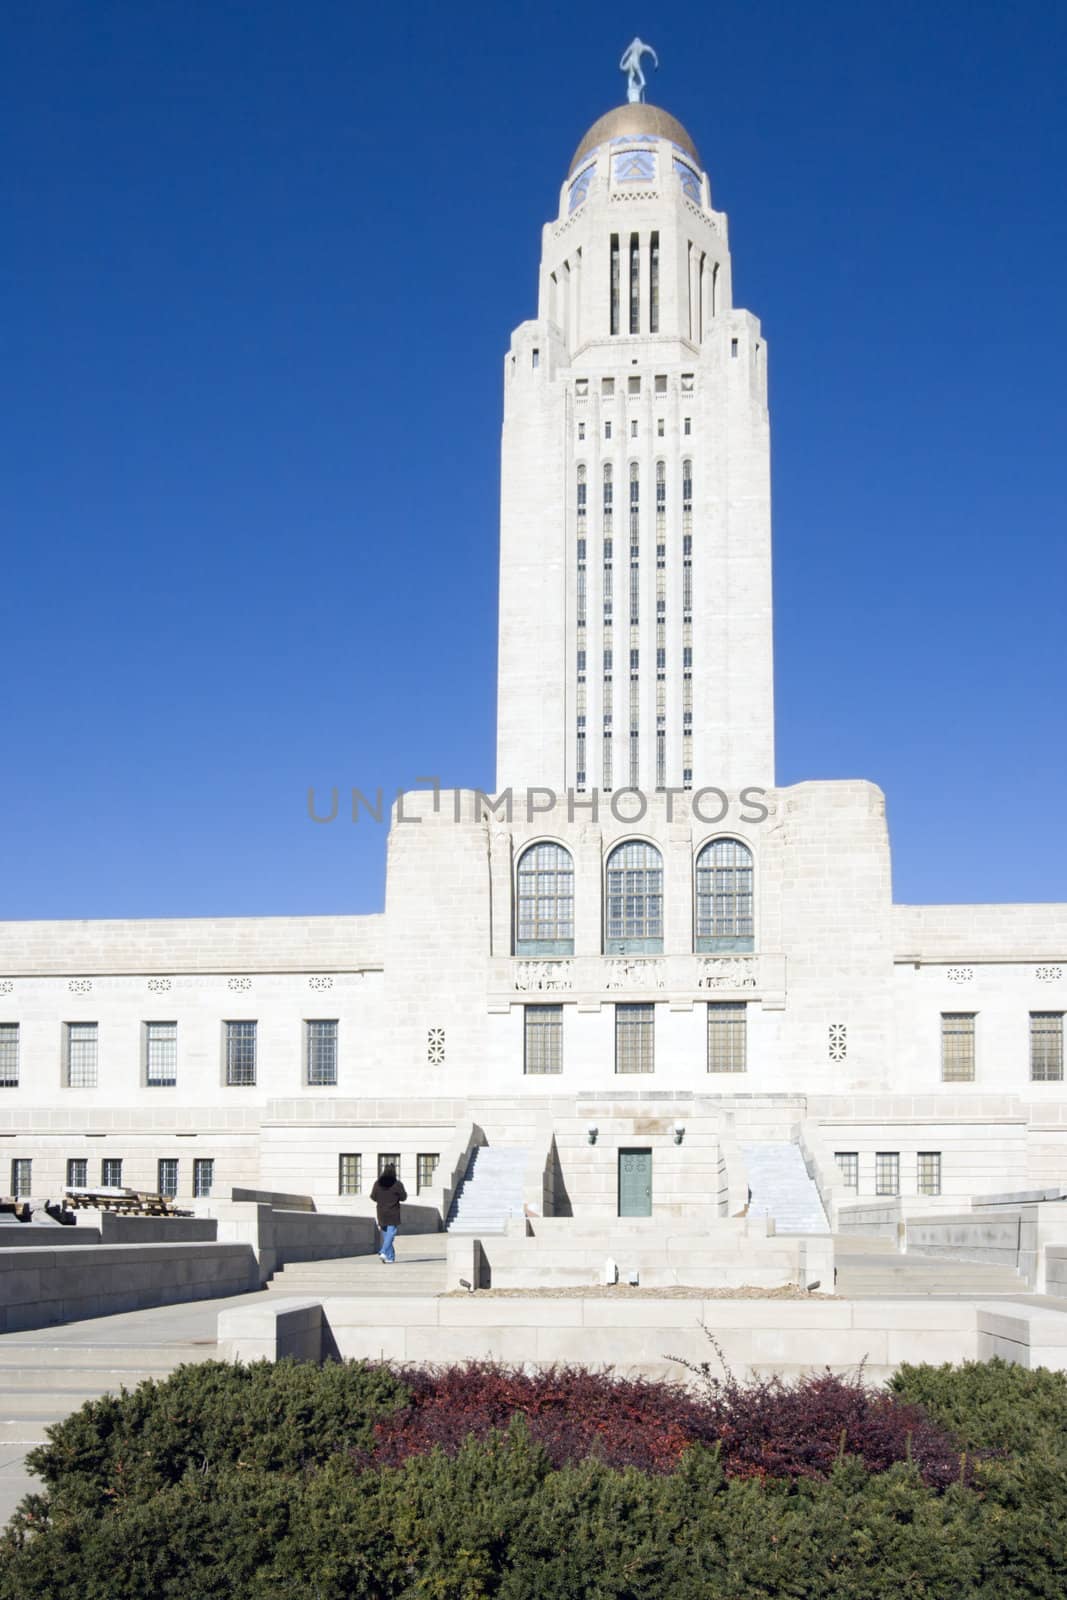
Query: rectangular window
607	388
9	1055
543	1048
425	1167
536	355
167	1177
321	1052
614	285
635	284
726	1037
21	1178
111	1172
633	385
659	428
81	1055
161	1054
653	289
77	1173
661	377
240	1054
929	1172
1046	1046
687	426
633	428
957	1046
349	1174
389	1159
203	1177
581	430
733	348
848	1166
887	1172
635	1038
607	430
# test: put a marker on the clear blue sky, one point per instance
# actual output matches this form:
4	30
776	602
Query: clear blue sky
261	261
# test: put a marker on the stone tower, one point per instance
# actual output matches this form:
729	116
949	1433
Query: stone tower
635	566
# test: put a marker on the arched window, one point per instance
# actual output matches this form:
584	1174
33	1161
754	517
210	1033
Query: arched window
544	901
634	923
724	896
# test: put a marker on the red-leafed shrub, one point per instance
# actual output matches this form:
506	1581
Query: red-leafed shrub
767	1429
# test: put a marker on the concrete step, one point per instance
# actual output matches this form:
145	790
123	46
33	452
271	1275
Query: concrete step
43	1380
491	1190
781	1188
53	1403
17	1351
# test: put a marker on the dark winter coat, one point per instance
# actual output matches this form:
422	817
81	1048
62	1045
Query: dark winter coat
388	1203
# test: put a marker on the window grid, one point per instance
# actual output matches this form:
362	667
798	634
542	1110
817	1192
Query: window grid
653	286
957	1046
928	1172
389	1158
9	1055
349	1174
425	1167
167	1177
21	1177
724	891
321	1044
82	1055
727	1042
635	285
543	1039
203	1177
635	1038
77	1173
614	284
635	891
111	1172
848	1166
887	1172
545	894
240	1054
161	1054
1046	1046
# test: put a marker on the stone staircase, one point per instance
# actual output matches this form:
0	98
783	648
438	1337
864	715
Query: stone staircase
782	1189
491	1190
47	1373
419	1269
874	1269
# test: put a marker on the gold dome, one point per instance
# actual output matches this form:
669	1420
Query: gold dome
632	121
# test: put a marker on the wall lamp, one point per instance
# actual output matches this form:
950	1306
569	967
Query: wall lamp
679	1132
592	1131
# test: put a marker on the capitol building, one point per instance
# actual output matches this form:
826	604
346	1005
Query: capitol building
640	977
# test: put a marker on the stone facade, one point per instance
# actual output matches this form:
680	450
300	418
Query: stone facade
831	999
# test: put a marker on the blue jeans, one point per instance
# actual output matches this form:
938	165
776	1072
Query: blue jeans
387	1252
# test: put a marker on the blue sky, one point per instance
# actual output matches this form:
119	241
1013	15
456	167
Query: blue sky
261	264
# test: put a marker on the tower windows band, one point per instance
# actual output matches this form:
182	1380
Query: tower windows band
635	284
614	285
653	284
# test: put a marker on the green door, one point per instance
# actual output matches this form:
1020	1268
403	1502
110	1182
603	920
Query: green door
635	1183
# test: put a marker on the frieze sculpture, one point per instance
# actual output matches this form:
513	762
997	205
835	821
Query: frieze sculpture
722	972
642	974
542	975
631	65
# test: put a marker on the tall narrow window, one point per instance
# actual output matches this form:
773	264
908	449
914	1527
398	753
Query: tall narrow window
581	594
426	1166
240	1054
653	284
111	1172
203	1177
161	1054
543	1039
77	1173
928	1172
724	896
887	1172
634	899
82	1038
726	1037
1046	1046
21	1178
635	1038
320	1046
614	283
544	901
687	622
957	1046
848	1166
349	1174
9	1055
635	284
167	1177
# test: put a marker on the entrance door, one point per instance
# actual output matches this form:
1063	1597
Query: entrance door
635	1183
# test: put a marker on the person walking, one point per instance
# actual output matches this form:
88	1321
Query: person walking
387	1194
